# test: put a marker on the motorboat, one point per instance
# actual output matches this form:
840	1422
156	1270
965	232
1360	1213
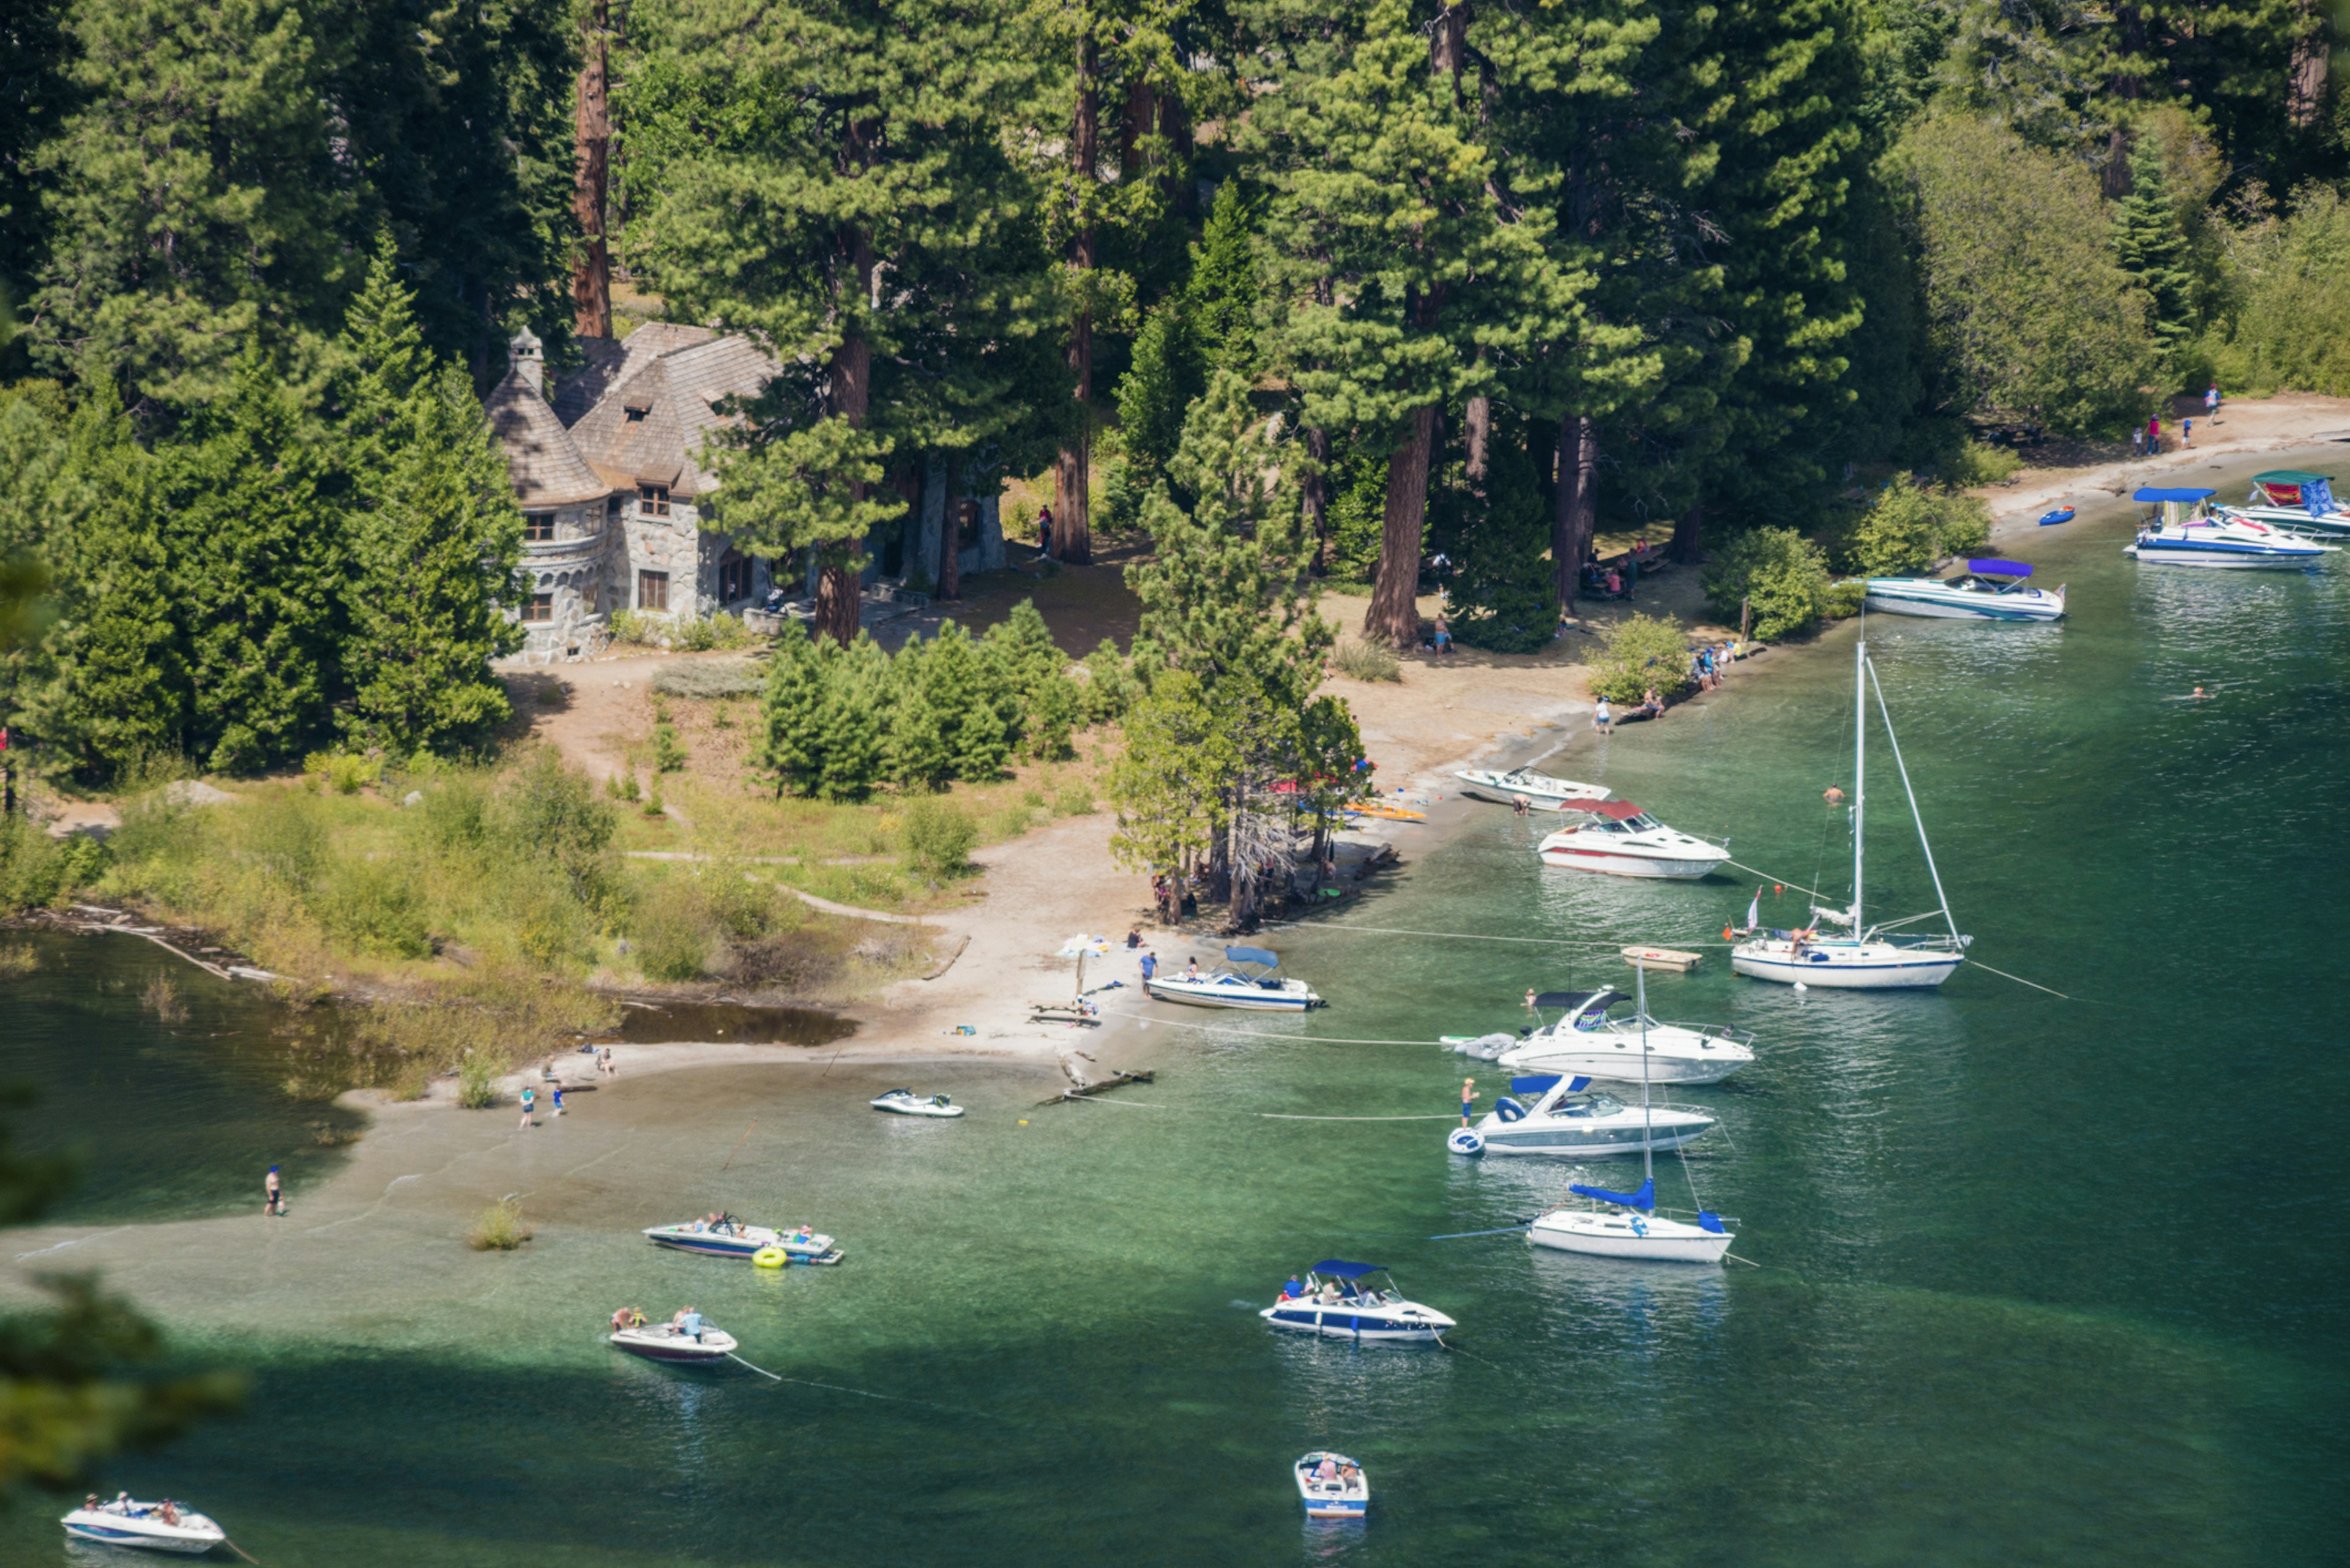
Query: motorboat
906	1103
2187	533
1335	1303
1626	1225
1618	839
1588	1041
1249	979
728	1236
1539	789
1863	957
1989	589
1559	1117
2297	501
687	1340
162	1526
2060	514
1333	1486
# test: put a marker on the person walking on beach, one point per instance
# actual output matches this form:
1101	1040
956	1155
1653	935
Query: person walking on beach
2211	402
558	1097
2186	433
1468	1098
2138	442
273	1200
1149	962
2153	435
529	1106
1601	720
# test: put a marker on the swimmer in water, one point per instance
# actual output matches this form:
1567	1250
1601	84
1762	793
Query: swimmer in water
2198	695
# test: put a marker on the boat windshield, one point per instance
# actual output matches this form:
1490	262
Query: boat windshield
1642	822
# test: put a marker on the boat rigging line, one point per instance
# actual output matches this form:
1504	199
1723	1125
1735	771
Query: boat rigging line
760	1370
2021	981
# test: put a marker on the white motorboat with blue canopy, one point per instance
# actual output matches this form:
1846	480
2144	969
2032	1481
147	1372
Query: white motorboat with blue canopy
1864	958
1627	1224
1590	1040
727	1237
1339	1300
1553	1114
1249	979
1989	590
2185	532
161	1526
2297	501
1332	1485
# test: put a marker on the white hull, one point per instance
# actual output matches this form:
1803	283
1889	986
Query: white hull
194	1534
2036	606
1535	786
2331	524
1616	863
661	1342
1676	1055
1246	996
1338	1498
2225	560
1865	966
1395	1323
1624	1234
905	1104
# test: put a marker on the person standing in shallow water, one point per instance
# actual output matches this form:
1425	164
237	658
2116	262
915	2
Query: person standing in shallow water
529	1104
273	1194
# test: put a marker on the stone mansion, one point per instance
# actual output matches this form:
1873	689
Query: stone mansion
609	468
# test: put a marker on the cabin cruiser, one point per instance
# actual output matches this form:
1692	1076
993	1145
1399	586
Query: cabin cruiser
1564	1119
1333	1302
1618	839
1540	789
2295	502
1988	591
162	1526
1587	1042
1626	1225
1333	1486
2187	533
684	1338
727	1237
906	1103
1249	979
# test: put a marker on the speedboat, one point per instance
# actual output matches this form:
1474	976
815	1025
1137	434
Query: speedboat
906	1103
1587	1042
1541	789
1333	1486
1566	1120
1620	839
1249	979
148	1526
692	1341
1335	1303
731	1238
1626	1225
2188	533
2295	502
1989	590
2061	515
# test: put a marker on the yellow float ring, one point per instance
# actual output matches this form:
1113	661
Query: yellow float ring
770	1258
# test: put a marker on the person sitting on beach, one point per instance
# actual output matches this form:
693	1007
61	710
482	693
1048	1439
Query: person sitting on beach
1133	937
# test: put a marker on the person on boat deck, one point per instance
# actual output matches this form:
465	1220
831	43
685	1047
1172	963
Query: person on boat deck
171	1511
1468	1098
1289	1292
1191	970
689	1322
805	1233
1329	1293
1327	1469
1350	1472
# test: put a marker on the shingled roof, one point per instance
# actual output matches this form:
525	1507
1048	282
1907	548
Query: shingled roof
542	459
650	427
612	360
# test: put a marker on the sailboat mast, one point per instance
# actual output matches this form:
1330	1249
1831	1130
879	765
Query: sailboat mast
1647	1120
1859	770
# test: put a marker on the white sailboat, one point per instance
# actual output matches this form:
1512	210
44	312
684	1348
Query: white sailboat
1629	1226
1868	957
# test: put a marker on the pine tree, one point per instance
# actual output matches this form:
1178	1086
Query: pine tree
1022	663
195	198
257	539
792	714
1501	595
856	694
1221	296
1168	372
2151	248
957	689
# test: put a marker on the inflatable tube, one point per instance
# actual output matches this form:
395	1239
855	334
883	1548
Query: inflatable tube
1464	1140
770	1258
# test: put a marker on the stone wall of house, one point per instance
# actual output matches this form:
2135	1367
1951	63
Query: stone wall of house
674	545
570	567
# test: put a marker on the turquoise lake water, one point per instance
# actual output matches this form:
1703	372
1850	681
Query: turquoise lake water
2044	1281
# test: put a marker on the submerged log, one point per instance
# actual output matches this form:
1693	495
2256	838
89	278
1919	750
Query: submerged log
1086	1091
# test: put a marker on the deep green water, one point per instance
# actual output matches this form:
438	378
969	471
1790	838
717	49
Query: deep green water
2046	1281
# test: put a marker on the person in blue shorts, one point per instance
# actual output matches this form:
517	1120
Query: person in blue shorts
1468	1099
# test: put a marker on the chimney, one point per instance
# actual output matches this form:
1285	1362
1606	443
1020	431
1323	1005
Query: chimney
530	363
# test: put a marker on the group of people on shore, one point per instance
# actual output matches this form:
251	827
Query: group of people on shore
2147	443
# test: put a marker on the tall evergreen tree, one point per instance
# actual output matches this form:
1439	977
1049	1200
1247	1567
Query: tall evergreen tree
856	696
790	752
2152	249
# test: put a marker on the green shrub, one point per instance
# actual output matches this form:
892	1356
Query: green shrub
1366	660
500	1228
1782	574
477	1082
373	906
668	752
638	629
675	932
1638	653
1979	462
1843	600
937	840
341	771
1910	526
1074	800
705	680
703	634
1107	688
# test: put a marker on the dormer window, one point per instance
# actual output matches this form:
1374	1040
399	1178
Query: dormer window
635	416
652	499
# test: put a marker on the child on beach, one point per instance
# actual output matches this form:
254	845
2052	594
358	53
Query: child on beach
529	1104
559	1098
273	1200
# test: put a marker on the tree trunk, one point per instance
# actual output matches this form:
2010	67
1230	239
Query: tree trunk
839	597
1175	119
2304	79
1448	46
1479	426
1573	503
838	593
1687	530
1141	110
1314	496
1071	532
951	551
1394	616
592	141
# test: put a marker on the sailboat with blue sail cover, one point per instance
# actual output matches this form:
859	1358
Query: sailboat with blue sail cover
1627	1224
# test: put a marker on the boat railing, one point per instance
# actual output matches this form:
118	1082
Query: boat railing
1710	1030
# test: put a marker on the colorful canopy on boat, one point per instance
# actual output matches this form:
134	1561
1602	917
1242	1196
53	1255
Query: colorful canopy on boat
1542	1082
1618	809
1339	1269
2000	569
1577	1000
1252	955
2152	494
1645	1198
2291	476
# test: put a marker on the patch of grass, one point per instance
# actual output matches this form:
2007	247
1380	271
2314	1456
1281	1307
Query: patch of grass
1074	800
341	771
1364	660
937	840
500	1228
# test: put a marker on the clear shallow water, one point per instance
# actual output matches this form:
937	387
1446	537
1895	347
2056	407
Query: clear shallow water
2046	1281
